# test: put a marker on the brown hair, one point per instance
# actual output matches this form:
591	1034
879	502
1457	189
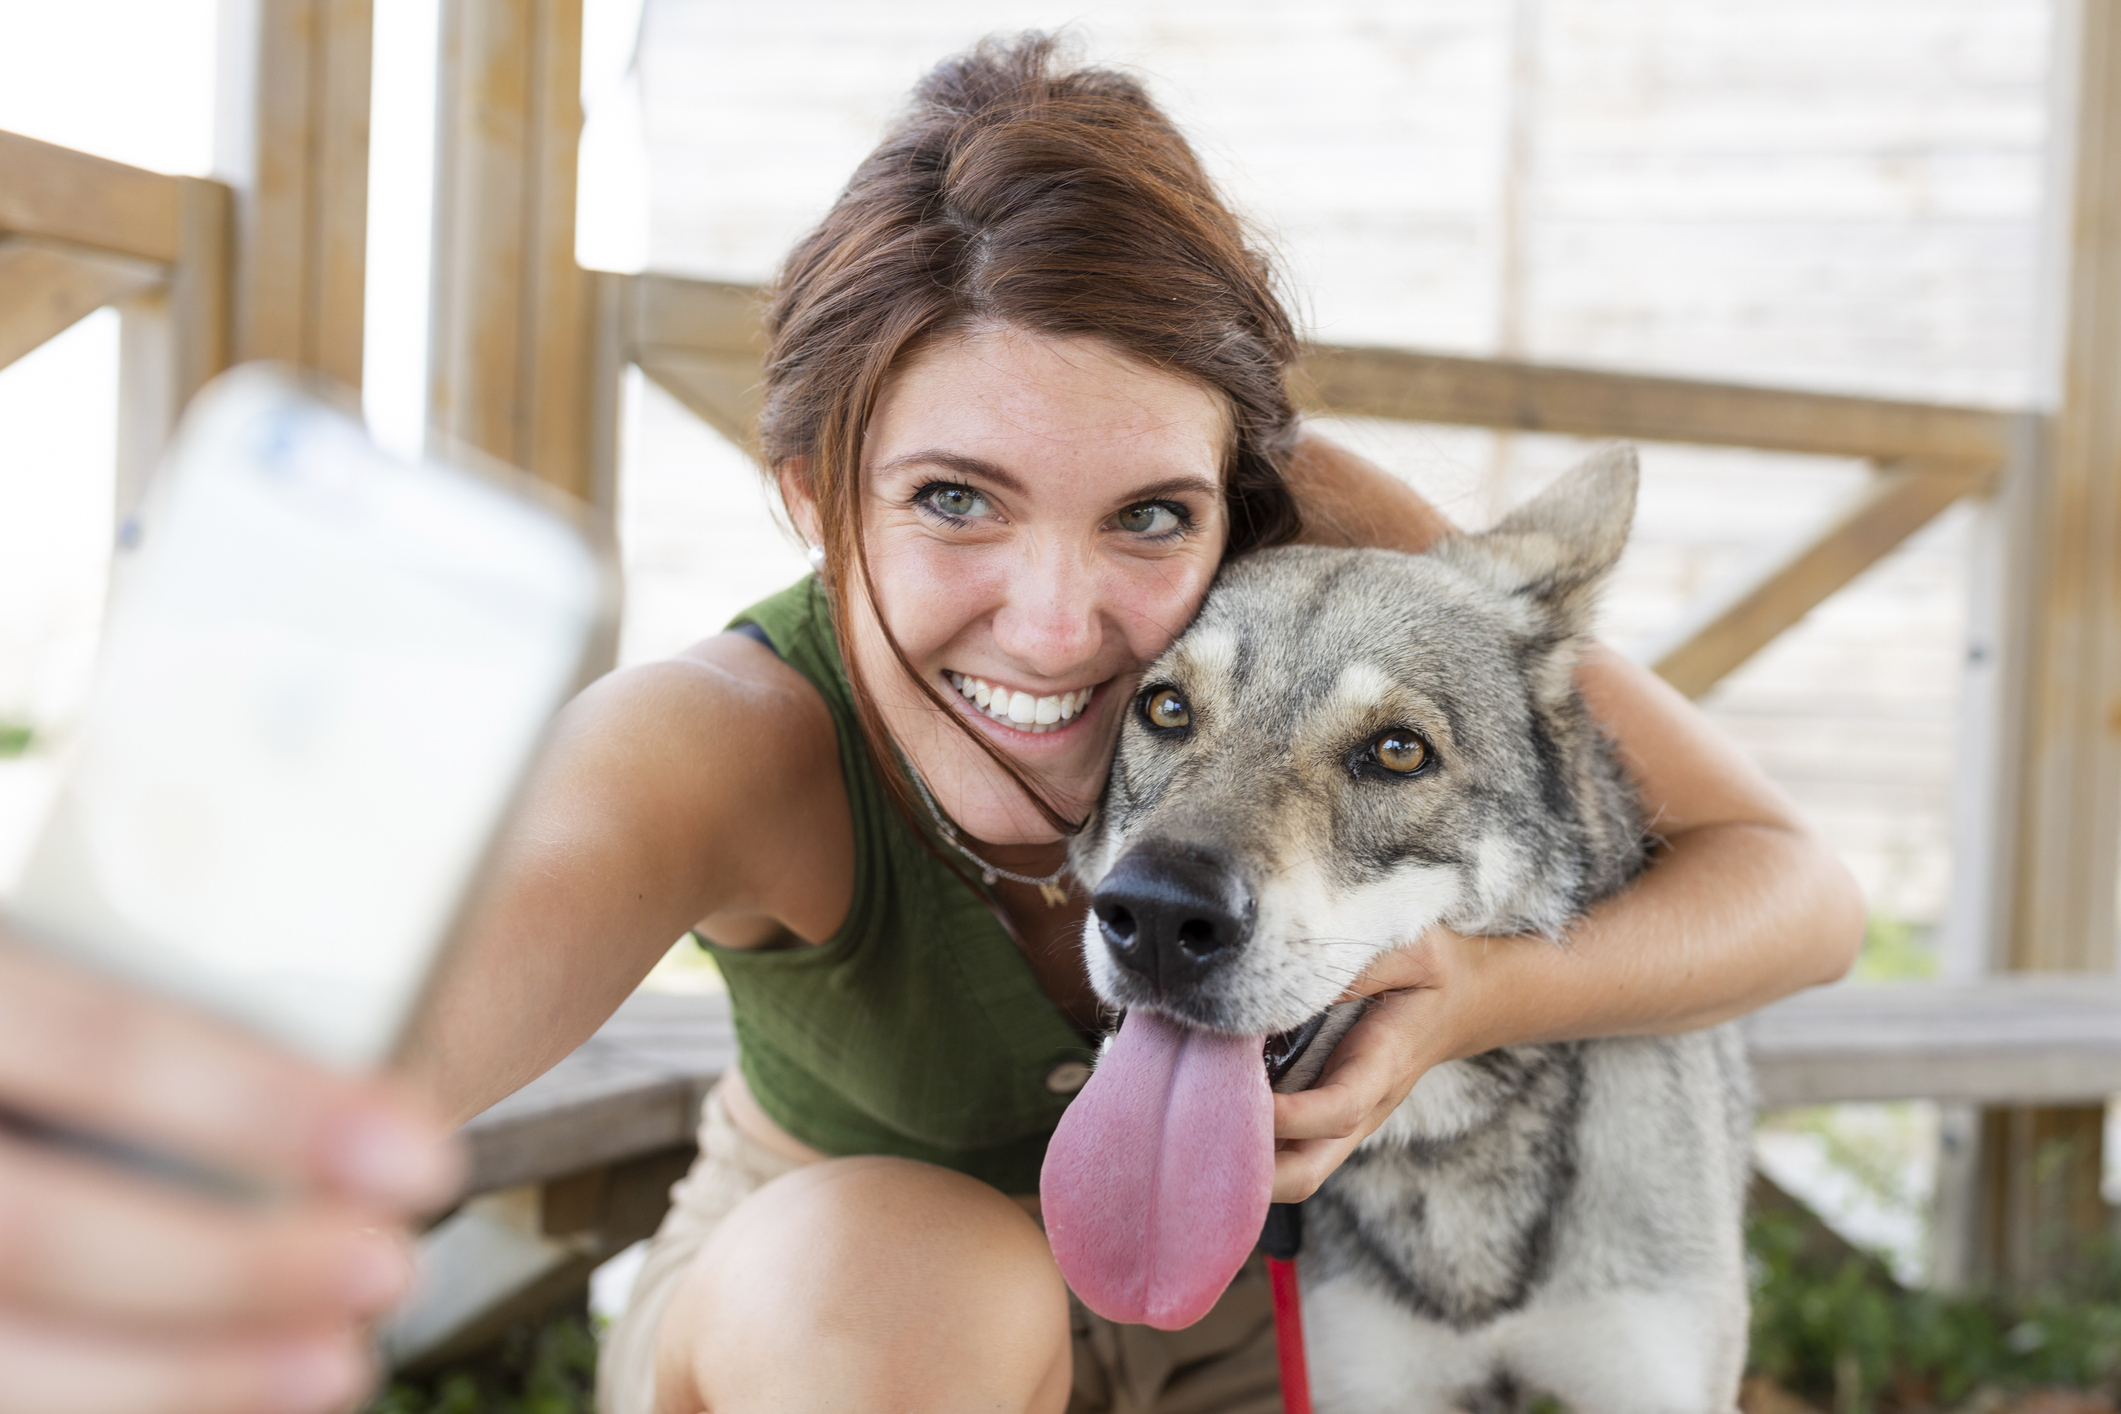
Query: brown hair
1062	203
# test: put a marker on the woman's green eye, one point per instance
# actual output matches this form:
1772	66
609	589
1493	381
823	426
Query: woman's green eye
1149	518
958	502
1167	710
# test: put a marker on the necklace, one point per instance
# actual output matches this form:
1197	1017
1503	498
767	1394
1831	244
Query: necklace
1050	888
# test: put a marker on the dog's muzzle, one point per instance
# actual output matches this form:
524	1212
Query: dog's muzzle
1172	913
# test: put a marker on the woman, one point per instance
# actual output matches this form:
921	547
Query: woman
1025	390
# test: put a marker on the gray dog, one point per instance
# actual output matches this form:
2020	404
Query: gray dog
1349	746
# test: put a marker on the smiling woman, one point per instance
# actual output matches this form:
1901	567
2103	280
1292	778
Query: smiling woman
1045	256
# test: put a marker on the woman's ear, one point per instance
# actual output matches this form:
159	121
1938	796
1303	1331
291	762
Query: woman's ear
800	498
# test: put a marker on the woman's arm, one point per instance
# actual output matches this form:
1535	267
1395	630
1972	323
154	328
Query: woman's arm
704	786
1745	904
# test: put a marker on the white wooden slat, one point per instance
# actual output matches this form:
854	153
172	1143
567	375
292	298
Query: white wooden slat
2047	1039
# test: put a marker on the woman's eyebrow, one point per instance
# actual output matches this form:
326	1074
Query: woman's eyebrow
1173	486
957	462
985	470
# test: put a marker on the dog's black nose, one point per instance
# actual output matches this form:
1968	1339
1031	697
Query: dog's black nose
1172	912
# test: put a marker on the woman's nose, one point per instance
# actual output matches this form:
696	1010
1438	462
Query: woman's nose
1049	621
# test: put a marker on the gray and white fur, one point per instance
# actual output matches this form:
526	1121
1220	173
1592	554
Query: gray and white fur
1553	1219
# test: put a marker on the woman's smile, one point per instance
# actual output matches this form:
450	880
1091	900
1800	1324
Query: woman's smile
1021	711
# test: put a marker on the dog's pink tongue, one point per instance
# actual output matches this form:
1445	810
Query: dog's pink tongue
1157	1180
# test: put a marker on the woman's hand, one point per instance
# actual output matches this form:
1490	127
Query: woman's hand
1412	1023
122	1293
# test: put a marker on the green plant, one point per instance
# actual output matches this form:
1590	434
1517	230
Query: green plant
14	739
545	1367
1895	950
1842	1333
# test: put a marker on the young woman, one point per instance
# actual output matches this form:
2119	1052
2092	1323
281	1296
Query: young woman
1025	391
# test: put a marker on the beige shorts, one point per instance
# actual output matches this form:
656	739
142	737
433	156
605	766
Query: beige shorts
1223	1364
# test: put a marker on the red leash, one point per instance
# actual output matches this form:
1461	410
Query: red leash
1281	1239
1289	1337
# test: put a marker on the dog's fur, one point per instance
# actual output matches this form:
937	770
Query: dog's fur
1559	1219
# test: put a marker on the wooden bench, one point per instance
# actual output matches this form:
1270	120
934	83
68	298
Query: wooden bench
577	1165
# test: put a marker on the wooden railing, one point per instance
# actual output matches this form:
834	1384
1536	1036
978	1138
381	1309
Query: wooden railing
700	342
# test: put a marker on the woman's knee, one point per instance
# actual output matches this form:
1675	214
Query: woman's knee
878	1281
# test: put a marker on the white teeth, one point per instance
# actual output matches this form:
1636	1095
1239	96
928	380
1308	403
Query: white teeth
1020	709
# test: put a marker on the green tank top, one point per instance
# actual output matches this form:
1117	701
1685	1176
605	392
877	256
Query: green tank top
918	1029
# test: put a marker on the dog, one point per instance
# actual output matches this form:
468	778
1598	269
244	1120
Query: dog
1346	747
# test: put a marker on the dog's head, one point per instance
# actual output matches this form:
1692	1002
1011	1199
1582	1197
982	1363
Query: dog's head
1349	746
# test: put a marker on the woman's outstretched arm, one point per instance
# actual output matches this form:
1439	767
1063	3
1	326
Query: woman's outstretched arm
1746	903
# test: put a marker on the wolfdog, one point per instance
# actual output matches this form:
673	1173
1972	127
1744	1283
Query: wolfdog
1345	748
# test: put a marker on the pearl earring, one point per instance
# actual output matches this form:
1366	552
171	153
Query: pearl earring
817	559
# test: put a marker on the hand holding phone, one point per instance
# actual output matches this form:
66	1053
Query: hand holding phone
324	674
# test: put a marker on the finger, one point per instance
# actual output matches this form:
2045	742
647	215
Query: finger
56	1371
1372	1070
81	1241
1327	1112
87	1053
1300	1168
1400	969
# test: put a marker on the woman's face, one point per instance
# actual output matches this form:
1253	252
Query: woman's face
1042	517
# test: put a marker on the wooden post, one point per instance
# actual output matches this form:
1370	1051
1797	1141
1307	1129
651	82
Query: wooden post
2025	1193
513	331
173	339
291	137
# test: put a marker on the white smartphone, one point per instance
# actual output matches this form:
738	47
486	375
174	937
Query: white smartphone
323	676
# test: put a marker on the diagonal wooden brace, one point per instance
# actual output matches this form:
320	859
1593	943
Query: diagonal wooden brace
1899	501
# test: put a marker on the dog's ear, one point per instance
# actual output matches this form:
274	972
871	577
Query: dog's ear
1558	547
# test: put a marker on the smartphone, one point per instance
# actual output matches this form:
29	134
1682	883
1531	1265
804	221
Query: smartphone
324	673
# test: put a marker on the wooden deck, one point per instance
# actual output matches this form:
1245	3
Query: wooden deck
635	1087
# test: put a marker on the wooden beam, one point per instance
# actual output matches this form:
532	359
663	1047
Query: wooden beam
2023	1191
47	287
172	339
702	342
513	328
698	317
92	201
2045	1039
722	392
293	142
1898	502
2070	824
1422	387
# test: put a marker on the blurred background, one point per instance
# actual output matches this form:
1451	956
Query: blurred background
1811	194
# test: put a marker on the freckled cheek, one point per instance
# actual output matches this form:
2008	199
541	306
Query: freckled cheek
932	592
1155	601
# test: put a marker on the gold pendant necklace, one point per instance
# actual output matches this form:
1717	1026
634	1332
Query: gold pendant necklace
1050	888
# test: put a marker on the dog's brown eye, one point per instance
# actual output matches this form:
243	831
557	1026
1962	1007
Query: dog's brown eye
1166	709
1401	751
